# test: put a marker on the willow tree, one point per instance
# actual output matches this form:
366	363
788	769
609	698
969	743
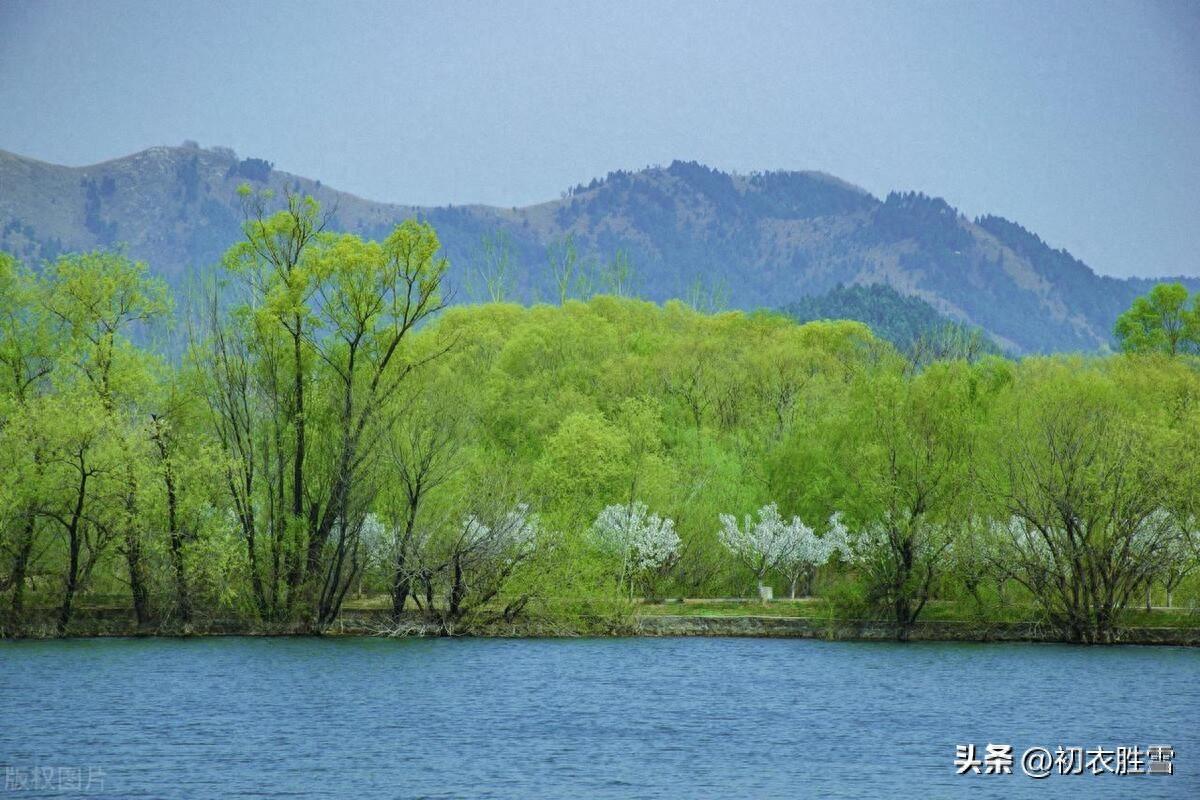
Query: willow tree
99	300
303	376
909	449
27	350
1079	465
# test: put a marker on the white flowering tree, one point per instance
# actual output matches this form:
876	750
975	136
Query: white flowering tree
763	544
645	542
813	551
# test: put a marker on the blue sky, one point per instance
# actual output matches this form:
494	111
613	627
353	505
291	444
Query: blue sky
1079	120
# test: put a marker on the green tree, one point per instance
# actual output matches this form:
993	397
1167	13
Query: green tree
1166	320
28	349
1077	464
910	455
310	364
99	299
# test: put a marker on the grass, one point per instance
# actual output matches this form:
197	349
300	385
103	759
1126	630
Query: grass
934	611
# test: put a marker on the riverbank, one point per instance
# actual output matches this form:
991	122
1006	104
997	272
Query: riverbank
699	618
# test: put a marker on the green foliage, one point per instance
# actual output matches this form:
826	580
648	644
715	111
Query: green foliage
334	432
1166	320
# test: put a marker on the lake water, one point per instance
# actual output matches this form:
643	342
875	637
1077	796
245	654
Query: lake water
585	718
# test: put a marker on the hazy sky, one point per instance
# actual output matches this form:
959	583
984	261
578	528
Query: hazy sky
1079	120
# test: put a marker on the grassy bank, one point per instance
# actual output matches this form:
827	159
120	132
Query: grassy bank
935	611
801	618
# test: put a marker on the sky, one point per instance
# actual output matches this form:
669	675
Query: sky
1080	120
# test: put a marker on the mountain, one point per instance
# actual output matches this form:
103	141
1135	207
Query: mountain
765	239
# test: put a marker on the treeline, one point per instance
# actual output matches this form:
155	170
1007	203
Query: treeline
333	431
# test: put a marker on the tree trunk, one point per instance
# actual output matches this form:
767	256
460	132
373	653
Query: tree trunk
903	621
401	588
401	579
137	577
182	598
256	584
138	580
307	564
457	591
21	568
73	546
72	585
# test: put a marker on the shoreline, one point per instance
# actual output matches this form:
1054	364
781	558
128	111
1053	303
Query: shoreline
99	624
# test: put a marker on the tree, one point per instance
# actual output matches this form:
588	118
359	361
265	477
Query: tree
765	544
1075	466
84	489
572	274
899	556
584	462
1178	554
1165	320
97	299
813	551
644	542
618	274
28	348
472	563
423	454
909	448
976	557
322	334
184	470
495	265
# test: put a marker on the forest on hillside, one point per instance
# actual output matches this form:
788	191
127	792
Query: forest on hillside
333	430
910	323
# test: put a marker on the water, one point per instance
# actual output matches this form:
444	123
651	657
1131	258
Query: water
588	718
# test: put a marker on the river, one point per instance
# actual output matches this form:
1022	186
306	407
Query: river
579	718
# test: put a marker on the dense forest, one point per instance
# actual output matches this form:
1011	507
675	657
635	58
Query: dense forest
332	430
908	322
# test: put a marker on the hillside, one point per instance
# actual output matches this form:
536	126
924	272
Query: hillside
903	320
765	239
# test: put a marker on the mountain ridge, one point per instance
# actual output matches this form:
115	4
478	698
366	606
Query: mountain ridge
758	239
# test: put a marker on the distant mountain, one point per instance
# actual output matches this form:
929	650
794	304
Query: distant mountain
903	320
766	239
